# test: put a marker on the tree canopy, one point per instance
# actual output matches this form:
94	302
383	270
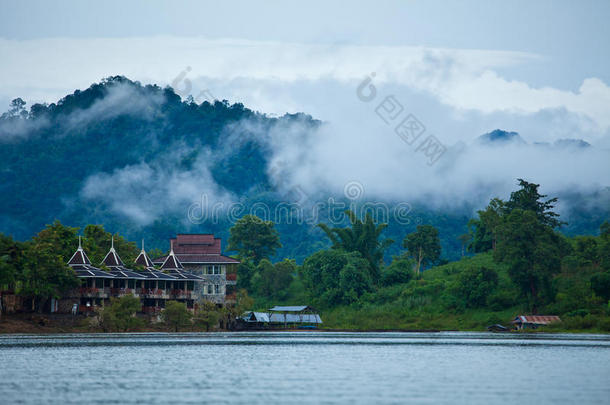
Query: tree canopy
423	245
254	239
362	237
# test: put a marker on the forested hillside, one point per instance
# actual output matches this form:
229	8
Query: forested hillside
137	158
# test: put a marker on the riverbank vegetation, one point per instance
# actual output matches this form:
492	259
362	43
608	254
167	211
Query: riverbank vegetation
518	264
515	262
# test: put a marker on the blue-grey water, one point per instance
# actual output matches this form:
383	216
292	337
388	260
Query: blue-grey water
306	367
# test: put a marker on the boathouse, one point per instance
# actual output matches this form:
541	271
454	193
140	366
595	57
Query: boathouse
534	321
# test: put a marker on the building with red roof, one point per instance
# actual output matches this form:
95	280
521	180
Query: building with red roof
201	254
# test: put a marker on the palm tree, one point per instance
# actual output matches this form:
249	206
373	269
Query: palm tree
362	237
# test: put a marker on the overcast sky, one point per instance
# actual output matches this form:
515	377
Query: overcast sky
462	68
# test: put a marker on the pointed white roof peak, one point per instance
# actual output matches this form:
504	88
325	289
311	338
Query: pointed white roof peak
79	257
112	259
143	258
171	261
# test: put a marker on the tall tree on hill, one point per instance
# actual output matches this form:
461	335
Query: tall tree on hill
532	251
464	239
254	239
362	237
423	245
484	230
528	198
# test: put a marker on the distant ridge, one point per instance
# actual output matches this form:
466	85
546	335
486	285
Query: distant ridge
498	136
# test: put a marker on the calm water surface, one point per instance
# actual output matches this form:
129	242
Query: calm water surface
305	367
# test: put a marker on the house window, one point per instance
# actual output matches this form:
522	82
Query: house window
209	288
216	289
216	269
210	270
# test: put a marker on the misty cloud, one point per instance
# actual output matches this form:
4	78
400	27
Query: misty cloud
121	99
148	191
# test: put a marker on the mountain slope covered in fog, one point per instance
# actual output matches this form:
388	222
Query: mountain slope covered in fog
145	163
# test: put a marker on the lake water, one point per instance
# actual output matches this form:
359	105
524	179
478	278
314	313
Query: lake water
305	367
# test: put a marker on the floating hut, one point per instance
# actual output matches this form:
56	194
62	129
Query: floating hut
534	321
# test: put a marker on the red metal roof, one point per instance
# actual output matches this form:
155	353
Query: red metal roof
537	319
196	244
195	258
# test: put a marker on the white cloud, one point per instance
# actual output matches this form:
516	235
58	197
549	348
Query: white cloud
46	69
146	191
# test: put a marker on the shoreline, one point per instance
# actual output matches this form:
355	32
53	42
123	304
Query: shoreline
39	324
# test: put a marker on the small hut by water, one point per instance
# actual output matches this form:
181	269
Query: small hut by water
534	321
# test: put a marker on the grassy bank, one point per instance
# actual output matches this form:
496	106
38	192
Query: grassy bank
429	304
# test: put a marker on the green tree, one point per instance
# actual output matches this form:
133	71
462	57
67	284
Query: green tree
400	271
361	237
586	250
254	239
532	251
464	239
63	238
176	315
11	261
243	302
321	275
207	315
474	285
245	272
354	281
423	245
45	274
604	245
527	198
120	315
484	230
600	284
272	280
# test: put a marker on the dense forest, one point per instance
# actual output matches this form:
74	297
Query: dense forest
99	155
519	264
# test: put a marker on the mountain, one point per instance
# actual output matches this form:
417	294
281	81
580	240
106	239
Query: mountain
498	136
143	162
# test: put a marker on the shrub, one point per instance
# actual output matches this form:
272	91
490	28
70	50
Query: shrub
501	300
121	314
600	284
578	312
175	315
474	285
398	272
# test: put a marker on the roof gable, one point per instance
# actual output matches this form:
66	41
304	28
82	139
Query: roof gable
79	257
112	259
143	259
171	262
